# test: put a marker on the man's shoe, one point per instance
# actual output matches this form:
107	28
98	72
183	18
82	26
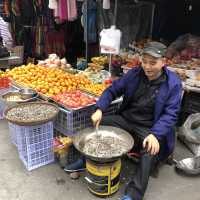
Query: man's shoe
76	166
126	197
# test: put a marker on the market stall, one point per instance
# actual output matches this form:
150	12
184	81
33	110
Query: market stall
50	101
73	92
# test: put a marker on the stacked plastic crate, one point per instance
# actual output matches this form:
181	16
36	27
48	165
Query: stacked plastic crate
70	122
13	135
34	143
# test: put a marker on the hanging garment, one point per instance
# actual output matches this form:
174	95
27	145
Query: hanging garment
134	20
28	12
15	5
53	4
89	15
6	10
106	4
62	6
72	10
5	33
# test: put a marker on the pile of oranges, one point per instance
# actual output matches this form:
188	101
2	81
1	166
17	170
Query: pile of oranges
49	81
96	89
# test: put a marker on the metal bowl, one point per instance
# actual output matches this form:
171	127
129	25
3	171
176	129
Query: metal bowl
88	134
27	93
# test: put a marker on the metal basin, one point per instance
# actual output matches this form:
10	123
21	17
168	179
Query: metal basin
124	143
27	93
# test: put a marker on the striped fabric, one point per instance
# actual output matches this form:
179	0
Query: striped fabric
5	33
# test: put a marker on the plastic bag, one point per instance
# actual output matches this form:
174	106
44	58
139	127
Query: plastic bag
191	128
110	40
190	166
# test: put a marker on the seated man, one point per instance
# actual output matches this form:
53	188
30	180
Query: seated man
151	103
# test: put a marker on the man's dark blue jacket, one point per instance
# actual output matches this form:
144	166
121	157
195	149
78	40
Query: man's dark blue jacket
167	106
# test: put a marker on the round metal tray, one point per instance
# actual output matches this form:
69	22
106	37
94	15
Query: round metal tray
33	122
8	94
86	135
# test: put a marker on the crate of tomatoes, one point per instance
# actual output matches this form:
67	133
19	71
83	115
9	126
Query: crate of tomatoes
74	100
76	110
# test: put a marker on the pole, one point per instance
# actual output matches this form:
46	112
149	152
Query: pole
110	63
86	42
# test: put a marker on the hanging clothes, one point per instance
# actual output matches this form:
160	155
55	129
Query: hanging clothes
89	16
53	4
72	10
133	19
63	9
6	10
5	33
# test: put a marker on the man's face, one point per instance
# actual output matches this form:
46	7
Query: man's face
152	66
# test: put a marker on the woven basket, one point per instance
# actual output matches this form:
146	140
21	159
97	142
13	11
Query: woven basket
34	122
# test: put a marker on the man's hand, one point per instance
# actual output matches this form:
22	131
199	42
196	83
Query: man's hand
96	117
151	144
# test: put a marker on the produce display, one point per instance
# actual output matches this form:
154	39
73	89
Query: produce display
184	64
61	144
53	61
62	86
94	77
117	61
95	68
4	80
101	60
184	48
95	89
48	81
74	100
193	83
94	72
193	78
2	74
180	72
141	43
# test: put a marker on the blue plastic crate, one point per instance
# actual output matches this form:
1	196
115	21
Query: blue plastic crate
70	122
13	133
35	144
